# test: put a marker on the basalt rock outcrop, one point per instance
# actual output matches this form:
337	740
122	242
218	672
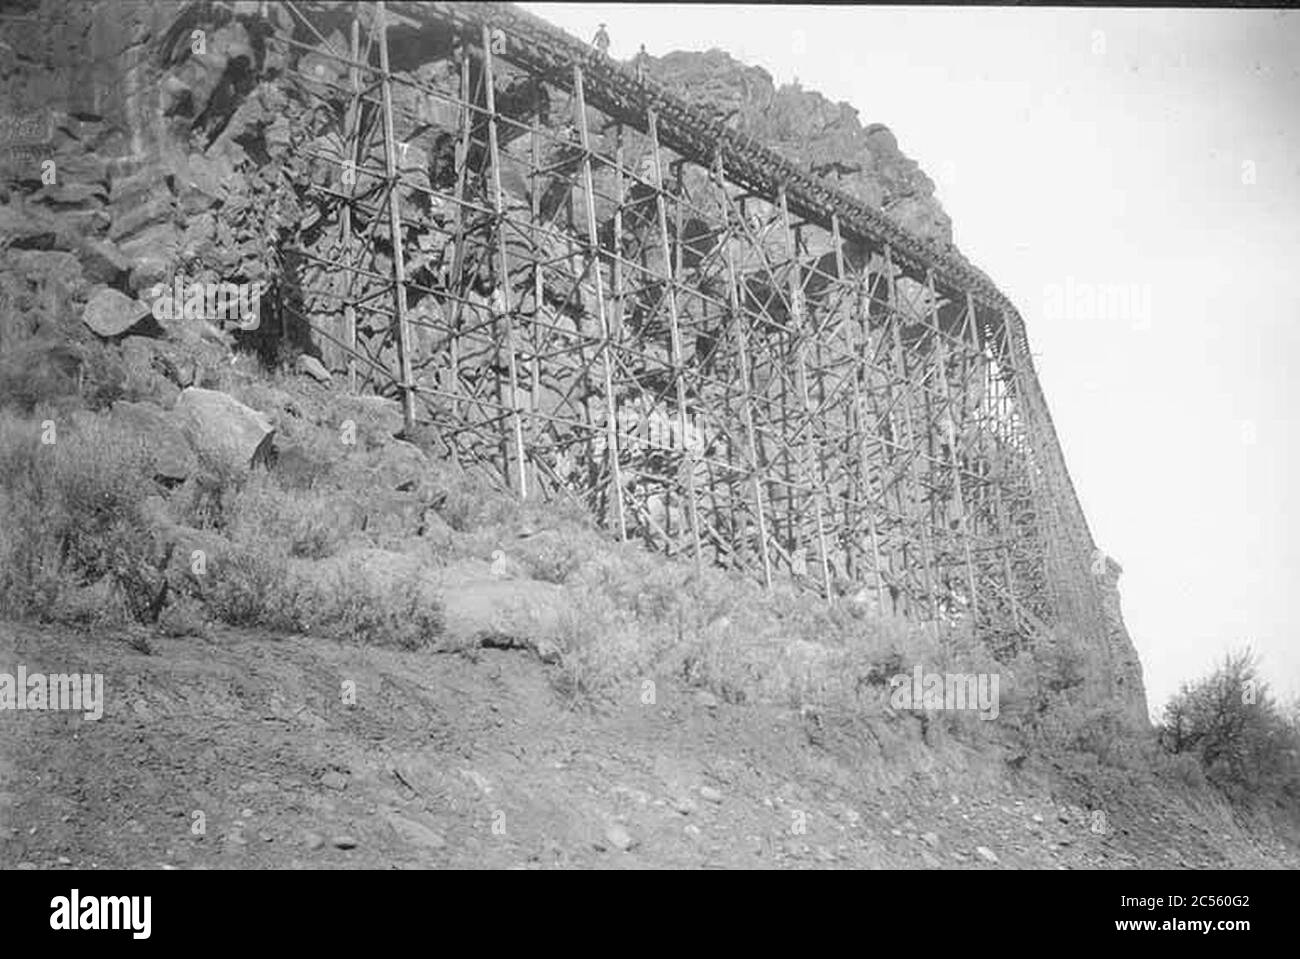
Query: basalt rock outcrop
823	137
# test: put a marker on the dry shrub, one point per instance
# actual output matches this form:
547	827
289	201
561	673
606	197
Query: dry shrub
363	605
74	515
39	372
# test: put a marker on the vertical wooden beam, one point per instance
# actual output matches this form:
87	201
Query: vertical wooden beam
900	361
941	360
868	367
964	523
539	291
607	358
503	278
350	148
800	334
672	276
455	281
742	352
1006	531
395	226
857	348
619	197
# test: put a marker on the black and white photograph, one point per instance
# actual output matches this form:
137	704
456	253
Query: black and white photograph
473	437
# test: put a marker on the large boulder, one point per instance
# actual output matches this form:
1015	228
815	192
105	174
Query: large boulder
110	313
222	429
173	457
482	609
399	465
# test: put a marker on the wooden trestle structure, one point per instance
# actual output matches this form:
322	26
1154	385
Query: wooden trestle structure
570	273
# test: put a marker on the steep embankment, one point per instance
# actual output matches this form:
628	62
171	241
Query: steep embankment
240	751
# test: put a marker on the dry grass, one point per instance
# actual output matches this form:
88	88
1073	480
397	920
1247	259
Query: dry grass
285	542
72	498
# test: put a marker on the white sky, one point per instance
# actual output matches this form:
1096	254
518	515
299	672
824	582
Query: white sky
1152	151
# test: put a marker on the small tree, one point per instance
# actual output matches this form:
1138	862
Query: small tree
1244	740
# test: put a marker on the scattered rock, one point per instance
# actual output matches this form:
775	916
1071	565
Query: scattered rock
334	780
416	833
345	842
709	794
548	651
930	838
313	841
985	853
110	313
506	614
619	838
310	366
223	429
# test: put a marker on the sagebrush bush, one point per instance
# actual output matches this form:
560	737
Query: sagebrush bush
72	497
205	500
356	604
39	372
310	524
552	558
249	586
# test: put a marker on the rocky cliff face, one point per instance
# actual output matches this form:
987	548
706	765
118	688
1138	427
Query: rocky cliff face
1125	665
825	138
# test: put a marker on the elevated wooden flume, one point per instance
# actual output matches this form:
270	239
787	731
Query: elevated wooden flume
569	273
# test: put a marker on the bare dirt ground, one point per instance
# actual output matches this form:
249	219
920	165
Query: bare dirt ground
475	760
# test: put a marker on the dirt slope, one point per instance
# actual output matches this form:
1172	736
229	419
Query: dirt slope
476	761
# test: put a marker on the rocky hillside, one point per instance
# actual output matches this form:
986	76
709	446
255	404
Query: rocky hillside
826	138
152	140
